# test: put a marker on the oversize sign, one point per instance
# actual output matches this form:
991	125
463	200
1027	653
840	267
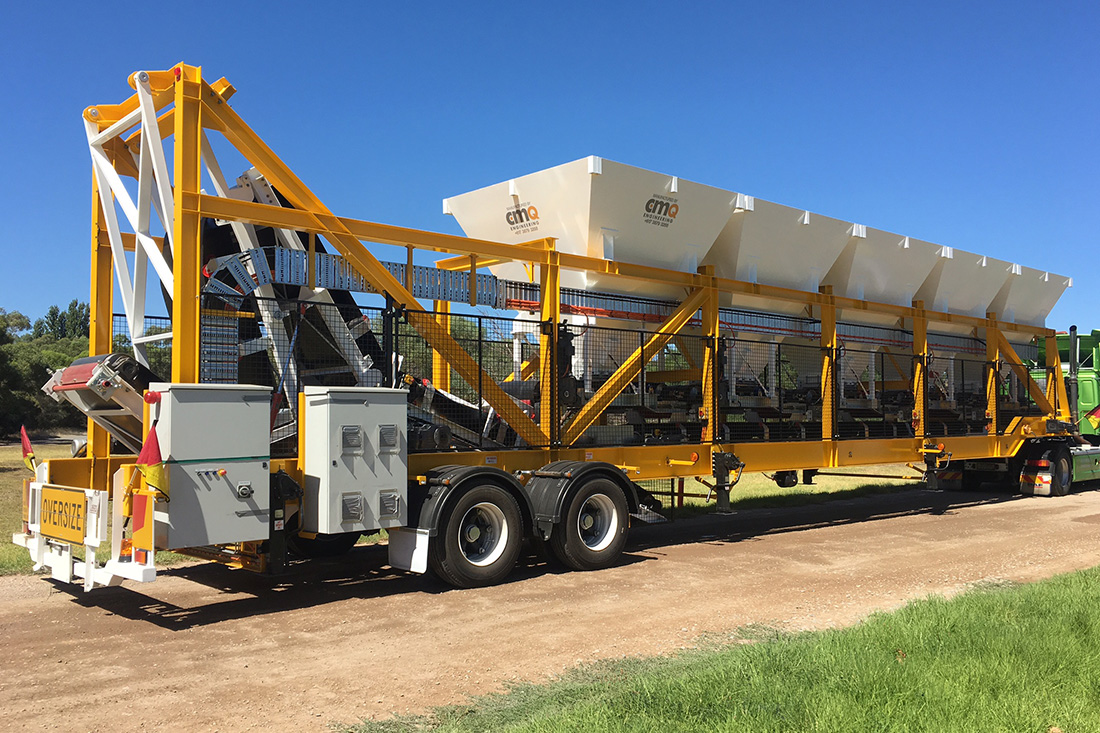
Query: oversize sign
63	514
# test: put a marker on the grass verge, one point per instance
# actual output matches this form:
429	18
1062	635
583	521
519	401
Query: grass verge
757	491
13	558
997	658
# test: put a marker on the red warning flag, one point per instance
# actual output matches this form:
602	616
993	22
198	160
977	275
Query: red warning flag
150	463
28	451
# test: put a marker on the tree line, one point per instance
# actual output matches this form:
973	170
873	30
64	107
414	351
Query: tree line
29	353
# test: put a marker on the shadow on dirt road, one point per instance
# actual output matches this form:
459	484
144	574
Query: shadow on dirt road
225	594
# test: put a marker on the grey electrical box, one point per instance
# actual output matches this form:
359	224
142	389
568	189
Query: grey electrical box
356	461
215	441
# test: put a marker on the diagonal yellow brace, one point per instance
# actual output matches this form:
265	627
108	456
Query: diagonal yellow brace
527	370
348	245
463	263
1024	376
618	381
1056	383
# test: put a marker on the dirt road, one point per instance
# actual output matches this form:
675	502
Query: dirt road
206	648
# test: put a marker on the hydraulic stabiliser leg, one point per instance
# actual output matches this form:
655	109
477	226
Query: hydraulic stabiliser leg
725	464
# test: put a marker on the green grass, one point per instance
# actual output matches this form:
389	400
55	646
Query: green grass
13	558
998	658
755	490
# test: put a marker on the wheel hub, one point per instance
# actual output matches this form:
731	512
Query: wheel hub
597	522
483	534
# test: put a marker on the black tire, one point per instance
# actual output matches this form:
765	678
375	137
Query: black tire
593	530
1061	477
323	545
479	538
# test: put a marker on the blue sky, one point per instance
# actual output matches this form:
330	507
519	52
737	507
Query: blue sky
973	125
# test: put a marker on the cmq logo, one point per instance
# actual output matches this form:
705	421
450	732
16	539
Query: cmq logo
522	218
661	211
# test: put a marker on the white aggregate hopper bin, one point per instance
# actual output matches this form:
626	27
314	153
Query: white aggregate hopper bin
599	208
964	283
604	209
773	244
882	267
972	285
1028	295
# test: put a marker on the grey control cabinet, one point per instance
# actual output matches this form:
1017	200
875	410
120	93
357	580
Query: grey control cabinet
215	440
356	459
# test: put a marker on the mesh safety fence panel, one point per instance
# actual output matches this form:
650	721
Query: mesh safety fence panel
764	389
770	391
158	352
956	396
875	394
598	353
289	345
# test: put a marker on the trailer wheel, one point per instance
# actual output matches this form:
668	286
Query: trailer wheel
592	533
1060	477
479	539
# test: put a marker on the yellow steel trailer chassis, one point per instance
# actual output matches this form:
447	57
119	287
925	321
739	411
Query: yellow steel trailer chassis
127	141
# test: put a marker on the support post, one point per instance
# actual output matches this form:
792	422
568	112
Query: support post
389	323
311	262
710	357
549	369
186	254
992	357
441	369
828	364
1065	392
472	280
920	369
100	326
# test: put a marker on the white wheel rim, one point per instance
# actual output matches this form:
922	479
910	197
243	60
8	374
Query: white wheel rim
597	522
483	534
